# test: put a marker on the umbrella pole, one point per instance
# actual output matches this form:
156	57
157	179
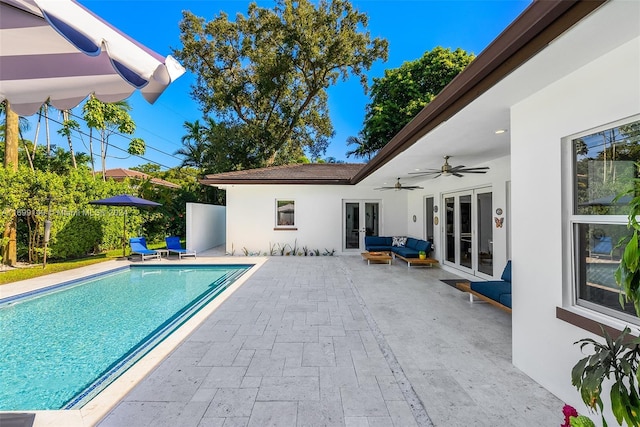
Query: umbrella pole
124	233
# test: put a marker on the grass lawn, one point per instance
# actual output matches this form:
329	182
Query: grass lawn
17	274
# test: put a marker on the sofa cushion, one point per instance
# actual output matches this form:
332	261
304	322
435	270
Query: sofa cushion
411	243
492	289
377	241
423	245
378	248
505	299
405	252
506	274
399	241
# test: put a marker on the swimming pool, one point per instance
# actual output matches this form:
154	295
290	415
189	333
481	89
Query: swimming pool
60	346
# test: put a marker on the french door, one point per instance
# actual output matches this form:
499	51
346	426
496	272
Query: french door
360	218
468	231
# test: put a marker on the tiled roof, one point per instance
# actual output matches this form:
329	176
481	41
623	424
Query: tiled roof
306	173
119	174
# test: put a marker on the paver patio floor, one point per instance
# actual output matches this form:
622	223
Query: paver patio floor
330	341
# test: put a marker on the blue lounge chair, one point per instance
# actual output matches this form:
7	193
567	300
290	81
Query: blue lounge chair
139	247
604	247
174	246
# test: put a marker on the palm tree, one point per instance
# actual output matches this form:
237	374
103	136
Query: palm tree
11	138
363	150
195	147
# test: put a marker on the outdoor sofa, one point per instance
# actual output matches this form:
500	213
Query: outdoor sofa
404	248
495	292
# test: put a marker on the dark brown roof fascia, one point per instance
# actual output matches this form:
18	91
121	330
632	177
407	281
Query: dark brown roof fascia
541	23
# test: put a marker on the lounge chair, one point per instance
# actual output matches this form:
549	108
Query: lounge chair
174	246
604	247
139	247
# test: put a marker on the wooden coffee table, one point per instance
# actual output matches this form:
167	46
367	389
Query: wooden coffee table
429	262
377	257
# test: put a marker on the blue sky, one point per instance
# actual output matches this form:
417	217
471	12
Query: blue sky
412	27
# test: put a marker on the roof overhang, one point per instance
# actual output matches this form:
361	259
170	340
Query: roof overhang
293	174
463	113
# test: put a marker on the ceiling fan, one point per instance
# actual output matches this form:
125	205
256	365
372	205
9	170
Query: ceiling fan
447	170
399	186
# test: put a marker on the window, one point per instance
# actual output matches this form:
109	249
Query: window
604	166
285	213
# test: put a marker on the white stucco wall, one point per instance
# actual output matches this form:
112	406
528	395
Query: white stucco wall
206	226
603	91
318	215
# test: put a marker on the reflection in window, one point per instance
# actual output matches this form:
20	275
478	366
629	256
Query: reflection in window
605	167
285	213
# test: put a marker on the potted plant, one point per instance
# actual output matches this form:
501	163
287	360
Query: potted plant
616	359
422	255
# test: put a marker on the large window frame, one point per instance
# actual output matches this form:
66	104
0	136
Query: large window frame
588	226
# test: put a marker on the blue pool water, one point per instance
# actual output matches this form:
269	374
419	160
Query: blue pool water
61	346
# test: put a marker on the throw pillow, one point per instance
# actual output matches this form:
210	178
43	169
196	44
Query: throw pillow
399	241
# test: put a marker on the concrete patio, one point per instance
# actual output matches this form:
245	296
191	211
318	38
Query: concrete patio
331	341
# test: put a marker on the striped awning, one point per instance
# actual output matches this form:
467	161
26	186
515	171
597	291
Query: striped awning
58	50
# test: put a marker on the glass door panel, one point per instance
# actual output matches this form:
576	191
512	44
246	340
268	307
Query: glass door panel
428	218
469	231
450	227
485	233
466	234
361	218
352	225
371	220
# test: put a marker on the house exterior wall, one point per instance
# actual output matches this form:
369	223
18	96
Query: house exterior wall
206	226
495	179
600	92
318	215
319	212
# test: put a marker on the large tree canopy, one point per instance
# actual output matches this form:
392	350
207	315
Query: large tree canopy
398	96
268	71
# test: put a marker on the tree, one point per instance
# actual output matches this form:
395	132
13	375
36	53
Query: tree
268	71
398	96
109	118
11	138
194	147
68	126
362	150
218	147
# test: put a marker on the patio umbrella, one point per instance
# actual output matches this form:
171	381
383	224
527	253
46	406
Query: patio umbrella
58	50
125	200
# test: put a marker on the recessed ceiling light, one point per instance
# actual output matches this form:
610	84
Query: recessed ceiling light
499	131
416	169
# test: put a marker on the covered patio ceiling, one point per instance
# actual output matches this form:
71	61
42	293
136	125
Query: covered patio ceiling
469	137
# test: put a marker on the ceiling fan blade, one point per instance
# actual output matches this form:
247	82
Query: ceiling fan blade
474	170
456	168
459	175
429	172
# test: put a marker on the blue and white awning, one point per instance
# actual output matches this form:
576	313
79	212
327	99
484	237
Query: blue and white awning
58	50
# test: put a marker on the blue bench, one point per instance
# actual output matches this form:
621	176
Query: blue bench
495	292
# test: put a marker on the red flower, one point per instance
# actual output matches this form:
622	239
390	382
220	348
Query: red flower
568	411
